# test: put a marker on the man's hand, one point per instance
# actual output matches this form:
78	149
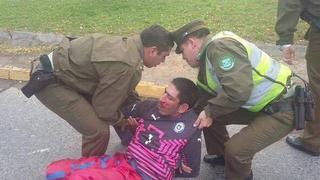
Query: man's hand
185	168
288	54
203	121
132	124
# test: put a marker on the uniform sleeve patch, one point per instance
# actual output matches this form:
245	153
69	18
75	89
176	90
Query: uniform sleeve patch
226	62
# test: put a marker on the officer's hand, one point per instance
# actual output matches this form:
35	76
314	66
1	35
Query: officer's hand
203	121
288	54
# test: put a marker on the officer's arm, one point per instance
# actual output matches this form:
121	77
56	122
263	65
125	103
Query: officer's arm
137	109
287	19
191	156
233	69
115	81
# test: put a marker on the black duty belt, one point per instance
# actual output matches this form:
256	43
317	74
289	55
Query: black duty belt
283	102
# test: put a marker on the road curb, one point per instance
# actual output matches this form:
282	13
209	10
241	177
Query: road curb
145	89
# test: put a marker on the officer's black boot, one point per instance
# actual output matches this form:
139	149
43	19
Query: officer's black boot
214	159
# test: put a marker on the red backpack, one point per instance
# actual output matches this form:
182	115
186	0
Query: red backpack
92	168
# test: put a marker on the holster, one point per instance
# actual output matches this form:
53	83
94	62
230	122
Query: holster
42	77
299	108
303	106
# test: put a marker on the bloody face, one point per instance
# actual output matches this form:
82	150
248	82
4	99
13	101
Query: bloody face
169	102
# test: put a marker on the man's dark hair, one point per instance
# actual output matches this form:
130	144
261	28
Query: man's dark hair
157	36
188	91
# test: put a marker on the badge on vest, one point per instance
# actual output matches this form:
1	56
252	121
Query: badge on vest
226	62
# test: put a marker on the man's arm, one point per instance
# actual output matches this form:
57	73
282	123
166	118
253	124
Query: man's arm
115	81
130	112
235	78
287	19
133	97
191	156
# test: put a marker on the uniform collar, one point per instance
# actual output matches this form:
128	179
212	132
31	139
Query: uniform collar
137	40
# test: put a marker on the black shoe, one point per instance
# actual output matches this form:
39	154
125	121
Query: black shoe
214	159
297	143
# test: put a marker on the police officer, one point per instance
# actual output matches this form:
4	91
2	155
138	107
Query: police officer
96	75
289	12
239	84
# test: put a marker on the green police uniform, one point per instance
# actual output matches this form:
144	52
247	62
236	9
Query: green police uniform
235	78
230	85
289	12
96	74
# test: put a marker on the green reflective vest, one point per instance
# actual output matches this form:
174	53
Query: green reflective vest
264	89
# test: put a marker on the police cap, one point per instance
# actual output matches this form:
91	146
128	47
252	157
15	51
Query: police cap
180	34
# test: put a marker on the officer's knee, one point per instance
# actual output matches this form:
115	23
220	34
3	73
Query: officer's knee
235	153
95	144
230	151
99	133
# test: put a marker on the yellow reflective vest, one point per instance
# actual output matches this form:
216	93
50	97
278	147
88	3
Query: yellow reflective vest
269	76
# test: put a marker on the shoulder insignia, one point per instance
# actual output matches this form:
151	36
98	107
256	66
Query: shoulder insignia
226	62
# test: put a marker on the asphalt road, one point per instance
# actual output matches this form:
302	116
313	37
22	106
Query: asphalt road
31	137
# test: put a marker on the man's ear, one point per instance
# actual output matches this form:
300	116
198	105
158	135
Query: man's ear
193	43
152	51
183	108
